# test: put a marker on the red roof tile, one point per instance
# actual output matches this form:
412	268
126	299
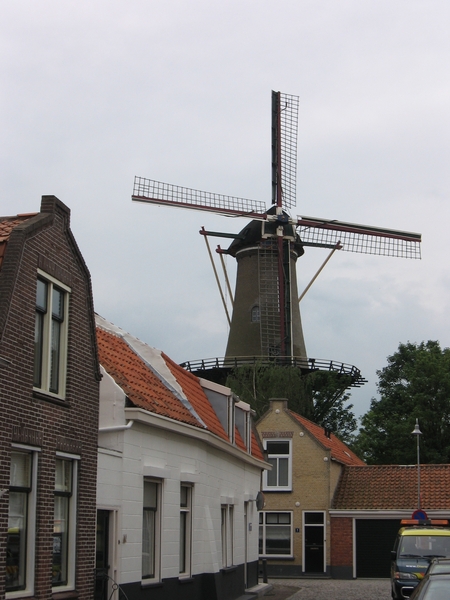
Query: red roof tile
147	388
393	487
138	381
197	397
339	451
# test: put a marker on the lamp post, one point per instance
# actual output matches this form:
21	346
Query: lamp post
417	433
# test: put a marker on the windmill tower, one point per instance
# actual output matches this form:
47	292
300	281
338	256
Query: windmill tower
266	317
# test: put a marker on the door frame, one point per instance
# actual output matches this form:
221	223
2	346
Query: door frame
323	525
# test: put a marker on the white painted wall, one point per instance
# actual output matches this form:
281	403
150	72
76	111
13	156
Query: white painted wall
127	455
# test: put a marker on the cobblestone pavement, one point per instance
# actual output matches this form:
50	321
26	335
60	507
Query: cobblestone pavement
329	589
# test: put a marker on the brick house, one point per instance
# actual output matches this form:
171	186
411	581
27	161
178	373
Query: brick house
368	505
307	463
49	393
179	472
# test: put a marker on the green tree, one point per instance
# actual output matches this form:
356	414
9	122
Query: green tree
318	396
415	384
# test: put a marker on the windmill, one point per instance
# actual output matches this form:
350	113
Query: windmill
266	317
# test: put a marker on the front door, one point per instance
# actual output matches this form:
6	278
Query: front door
314	542
102	555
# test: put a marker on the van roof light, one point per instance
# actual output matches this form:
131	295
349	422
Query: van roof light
441	522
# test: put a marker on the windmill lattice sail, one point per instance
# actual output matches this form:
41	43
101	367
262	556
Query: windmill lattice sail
363	239
167	194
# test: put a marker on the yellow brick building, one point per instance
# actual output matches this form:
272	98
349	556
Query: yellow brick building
307	461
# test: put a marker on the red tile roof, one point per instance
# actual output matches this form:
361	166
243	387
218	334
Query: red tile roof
129	362
339	451
197	397
393	487
139	383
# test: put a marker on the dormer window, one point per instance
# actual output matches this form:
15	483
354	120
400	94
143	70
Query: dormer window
243	423
231	418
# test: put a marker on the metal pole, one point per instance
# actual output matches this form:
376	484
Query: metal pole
418	473
337	247
417	433
202	231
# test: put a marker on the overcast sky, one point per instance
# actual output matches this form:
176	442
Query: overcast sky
96	92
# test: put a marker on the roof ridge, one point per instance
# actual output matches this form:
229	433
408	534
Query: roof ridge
334	442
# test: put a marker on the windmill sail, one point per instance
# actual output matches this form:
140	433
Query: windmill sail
363	239
167	194
284	149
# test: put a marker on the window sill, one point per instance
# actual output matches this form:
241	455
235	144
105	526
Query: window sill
281	557
277	491
186	579
37	395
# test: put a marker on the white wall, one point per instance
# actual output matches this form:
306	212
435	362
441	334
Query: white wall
126	456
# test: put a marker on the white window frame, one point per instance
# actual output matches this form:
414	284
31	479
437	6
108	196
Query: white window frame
263	526
45	365
186	531
276	457
227	534
231	418
71	524
31	524
156	577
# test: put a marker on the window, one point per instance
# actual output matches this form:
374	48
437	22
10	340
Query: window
185	529
243	423
227	534
20	549
150	530
64	523
275	533
255	314
50	336
279	456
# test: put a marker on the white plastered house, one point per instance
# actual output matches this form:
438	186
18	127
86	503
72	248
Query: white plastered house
179	471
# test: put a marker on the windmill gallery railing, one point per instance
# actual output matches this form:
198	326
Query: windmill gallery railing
306	365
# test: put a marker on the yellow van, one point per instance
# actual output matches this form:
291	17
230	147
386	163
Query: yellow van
416	544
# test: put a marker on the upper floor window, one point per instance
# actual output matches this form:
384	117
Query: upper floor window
20	541
50	335
64	524
280	457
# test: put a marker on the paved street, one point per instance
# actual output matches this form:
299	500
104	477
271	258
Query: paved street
329	589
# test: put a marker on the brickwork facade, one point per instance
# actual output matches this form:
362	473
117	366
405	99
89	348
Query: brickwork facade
48	426
341	541
315	471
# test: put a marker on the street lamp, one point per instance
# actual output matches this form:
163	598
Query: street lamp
417	433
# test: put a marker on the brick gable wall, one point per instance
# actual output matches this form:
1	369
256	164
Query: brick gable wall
36	420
